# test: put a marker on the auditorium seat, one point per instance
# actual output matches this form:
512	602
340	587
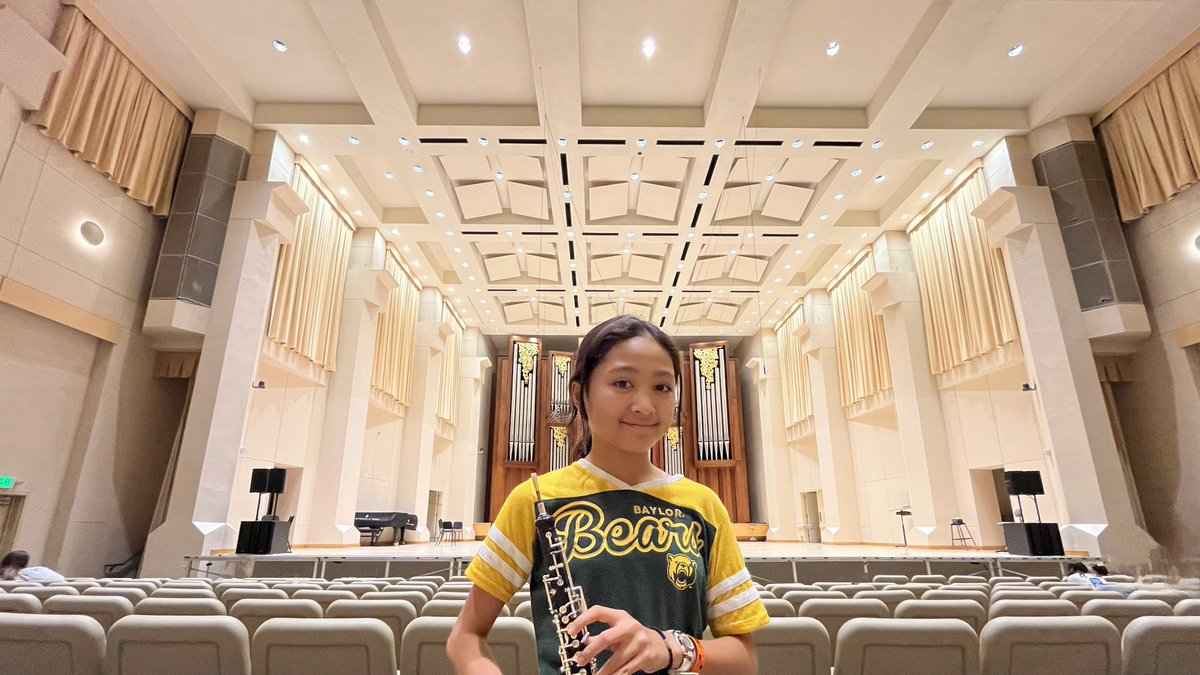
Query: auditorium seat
430	577
794	645
417	600
79	585
424	589
8	585
525	610
1121	612
105	610
780	589
516	599
779	607
826	585
1081	597
1120	579
179	645
183	593
324	598
291	589
926	646
1038	581
134	595
930	579
40	644
1168	595
396	614
1189	607
1032	608
1024	594
452	608
20	603
889	579
851	589
968	611
460	578
918	590
45	592
949	593
221	587
253	612
423	651
1157	645
966	579
834	613
764	594
232	595
998	580
1038	645
358	589
319	646
889	598
145	586
180	607
457	586
188	583
443	595
984	588
797	598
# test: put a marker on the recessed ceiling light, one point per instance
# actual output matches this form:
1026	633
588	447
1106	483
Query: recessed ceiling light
520	250
405	249
797	143
833	48
389	175
641	142
499	175
402	140
976	143
905	217
279	46
863	235
440	214
562	141
417	168
798	251
925	195
429	193
691	235
324	167
465	265
927	145
824	216
648	47
787	266
679	266
778	280
880	178
856	173
1016	50
483	141
91	233
358	213
626	252
949	171
508	233
343	192
416	263
458	249
303	138
720	142
733	251
449	233
353	140
749	235
629	234
840	196
570	233
810	235
703	195
877	145
464	44
770	177
470	278
769	291
837	267
572	265
566	194
634	176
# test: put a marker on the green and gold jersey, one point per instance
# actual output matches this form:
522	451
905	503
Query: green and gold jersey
663	550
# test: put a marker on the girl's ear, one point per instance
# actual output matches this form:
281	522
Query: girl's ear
575	396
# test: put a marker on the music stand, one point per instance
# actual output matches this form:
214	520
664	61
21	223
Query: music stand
903	511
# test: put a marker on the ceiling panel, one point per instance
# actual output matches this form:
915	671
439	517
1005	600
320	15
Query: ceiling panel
608	201
664	169
657	201
805	170
527	200
467	167
528	169
609	169
478	200
736	202
787	202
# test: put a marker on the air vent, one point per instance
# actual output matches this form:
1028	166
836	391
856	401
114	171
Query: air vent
751	291
646	290
567	209
523	141
440	139
712	165
601	141
599	290
576	298
678	143
760	144
696	215
571	249
480	233
539	234
675	281
781	235
577	322
719	234
562	162
574	280
669	299
686	246
837	144
660	234
550	290
502	290
601	234
662	322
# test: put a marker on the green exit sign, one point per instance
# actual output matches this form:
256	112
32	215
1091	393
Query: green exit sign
6	482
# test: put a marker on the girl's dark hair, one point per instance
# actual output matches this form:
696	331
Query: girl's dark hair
595	346
1100	570
12	563
1077	567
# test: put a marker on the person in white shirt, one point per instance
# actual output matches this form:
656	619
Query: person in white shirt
15	566
1079	574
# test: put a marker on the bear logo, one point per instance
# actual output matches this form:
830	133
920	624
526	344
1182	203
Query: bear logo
681	569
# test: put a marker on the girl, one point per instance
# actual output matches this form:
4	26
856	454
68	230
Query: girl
653	553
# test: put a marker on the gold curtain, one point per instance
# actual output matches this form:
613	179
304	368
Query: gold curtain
448	388
797	392
1153	139
108	113
964	293
306	311
863	366
395	339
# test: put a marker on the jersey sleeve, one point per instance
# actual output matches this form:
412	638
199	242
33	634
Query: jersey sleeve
734	607
503	562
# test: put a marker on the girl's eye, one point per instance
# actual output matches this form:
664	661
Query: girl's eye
622	383
665	388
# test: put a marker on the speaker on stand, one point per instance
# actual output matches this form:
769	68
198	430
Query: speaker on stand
266	534
1032	539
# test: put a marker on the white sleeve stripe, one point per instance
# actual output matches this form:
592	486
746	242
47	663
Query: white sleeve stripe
728	585
497	563
497	537
735	603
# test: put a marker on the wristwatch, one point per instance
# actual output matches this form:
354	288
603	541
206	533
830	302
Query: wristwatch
687	645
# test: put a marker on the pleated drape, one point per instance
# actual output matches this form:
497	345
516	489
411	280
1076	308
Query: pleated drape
306	311
797	392
863	366
106	111
964	292
1153	139
391	376
448	388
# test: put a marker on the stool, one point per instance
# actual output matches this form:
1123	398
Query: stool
959	532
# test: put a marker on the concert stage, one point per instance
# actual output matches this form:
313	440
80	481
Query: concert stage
769	562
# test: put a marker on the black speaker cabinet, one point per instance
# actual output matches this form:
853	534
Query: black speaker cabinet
260	537
277	480
258	480
1024	483
1033	539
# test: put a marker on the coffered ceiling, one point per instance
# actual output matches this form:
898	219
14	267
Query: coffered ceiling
699	163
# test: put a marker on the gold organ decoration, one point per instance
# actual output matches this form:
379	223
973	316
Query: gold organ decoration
563	365
708	358
527	353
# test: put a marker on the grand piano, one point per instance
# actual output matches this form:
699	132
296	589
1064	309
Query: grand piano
373	523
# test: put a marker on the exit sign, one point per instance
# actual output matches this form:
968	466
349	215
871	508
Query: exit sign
6	482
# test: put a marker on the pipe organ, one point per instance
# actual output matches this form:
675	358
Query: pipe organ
533	405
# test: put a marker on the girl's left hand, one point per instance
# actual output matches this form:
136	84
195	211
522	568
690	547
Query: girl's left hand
634	647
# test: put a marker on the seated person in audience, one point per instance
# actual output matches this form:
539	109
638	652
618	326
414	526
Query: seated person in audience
1100	570
1078	574
15	567
650	596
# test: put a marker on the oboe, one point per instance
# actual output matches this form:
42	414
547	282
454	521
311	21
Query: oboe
565	598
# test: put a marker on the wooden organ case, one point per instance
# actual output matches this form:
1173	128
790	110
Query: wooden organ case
533	405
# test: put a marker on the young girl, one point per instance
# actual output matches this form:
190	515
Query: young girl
653	553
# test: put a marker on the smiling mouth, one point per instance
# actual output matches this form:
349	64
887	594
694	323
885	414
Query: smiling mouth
644	426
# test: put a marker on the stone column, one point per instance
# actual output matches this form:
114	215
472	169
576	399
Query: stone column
465	457
417	445
772	462
1093	498
896	295
263	217
339	465
839	487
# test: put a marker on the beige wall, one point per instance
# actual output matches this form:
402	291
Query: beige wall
89	428
1160	408
880	475
381	451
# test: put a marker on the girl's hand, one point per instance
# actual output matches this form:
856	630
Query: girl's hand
634	647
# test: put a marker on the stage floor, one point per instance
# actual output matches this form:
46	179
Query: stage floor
769	561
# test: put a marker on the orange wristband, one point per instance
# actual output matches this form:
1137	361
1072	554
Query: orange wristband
699	657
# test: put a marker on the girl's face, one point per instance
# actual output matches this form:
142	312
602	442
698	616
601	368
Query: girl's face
631	397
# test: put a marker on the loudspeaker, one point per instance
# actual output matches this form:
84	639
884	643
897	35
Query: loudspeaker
1024	483
277	479
258	480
